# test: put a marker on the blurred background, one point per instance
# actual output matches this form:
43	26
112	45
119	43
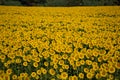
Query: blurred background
60	2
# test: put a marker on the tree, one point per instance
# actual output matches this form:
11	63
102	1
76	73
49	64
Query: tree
42	1
74	2
117	2
2	2
32	2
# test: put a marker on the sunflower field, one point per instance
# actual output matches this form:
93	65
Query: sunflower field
60	43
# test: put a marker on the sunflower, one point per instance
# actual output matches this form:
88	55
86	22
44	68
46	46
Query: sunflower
81	75
46	63
76	57
25	63
117	65
92	70
33	74
65	56
19	78
25	58
60	57
111	69
81	55
71	62
94	63
1	78
60	70
74	77
39	72
100	59
37	77
25	74
98	76
92	58
52	79
103	73
105	65
77	63
26	78
74	67
37	59
86	70
88	62
2	57
111	77
44	71
51	63
105	57
67	67
90	75
106	69
52	71
22	75
55	66
55	61
35	64
34	53
70	78
95	54
61	62
1	72
63	66
6	65
95	67
64	75
9	71
82	62
58	76
18	60
6	77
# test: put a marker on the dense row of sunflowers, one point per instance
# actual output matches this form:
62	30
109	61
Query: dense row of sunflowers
72	43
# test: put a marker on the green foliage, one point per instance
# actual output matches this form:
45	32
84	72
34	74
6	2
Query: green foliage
13	3
74	2
56	2
60	2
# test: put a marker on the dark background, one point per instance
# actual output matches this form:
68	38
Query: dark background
60	2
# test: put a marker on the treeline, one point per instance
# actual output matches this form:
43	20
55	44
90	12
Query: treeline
60	2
